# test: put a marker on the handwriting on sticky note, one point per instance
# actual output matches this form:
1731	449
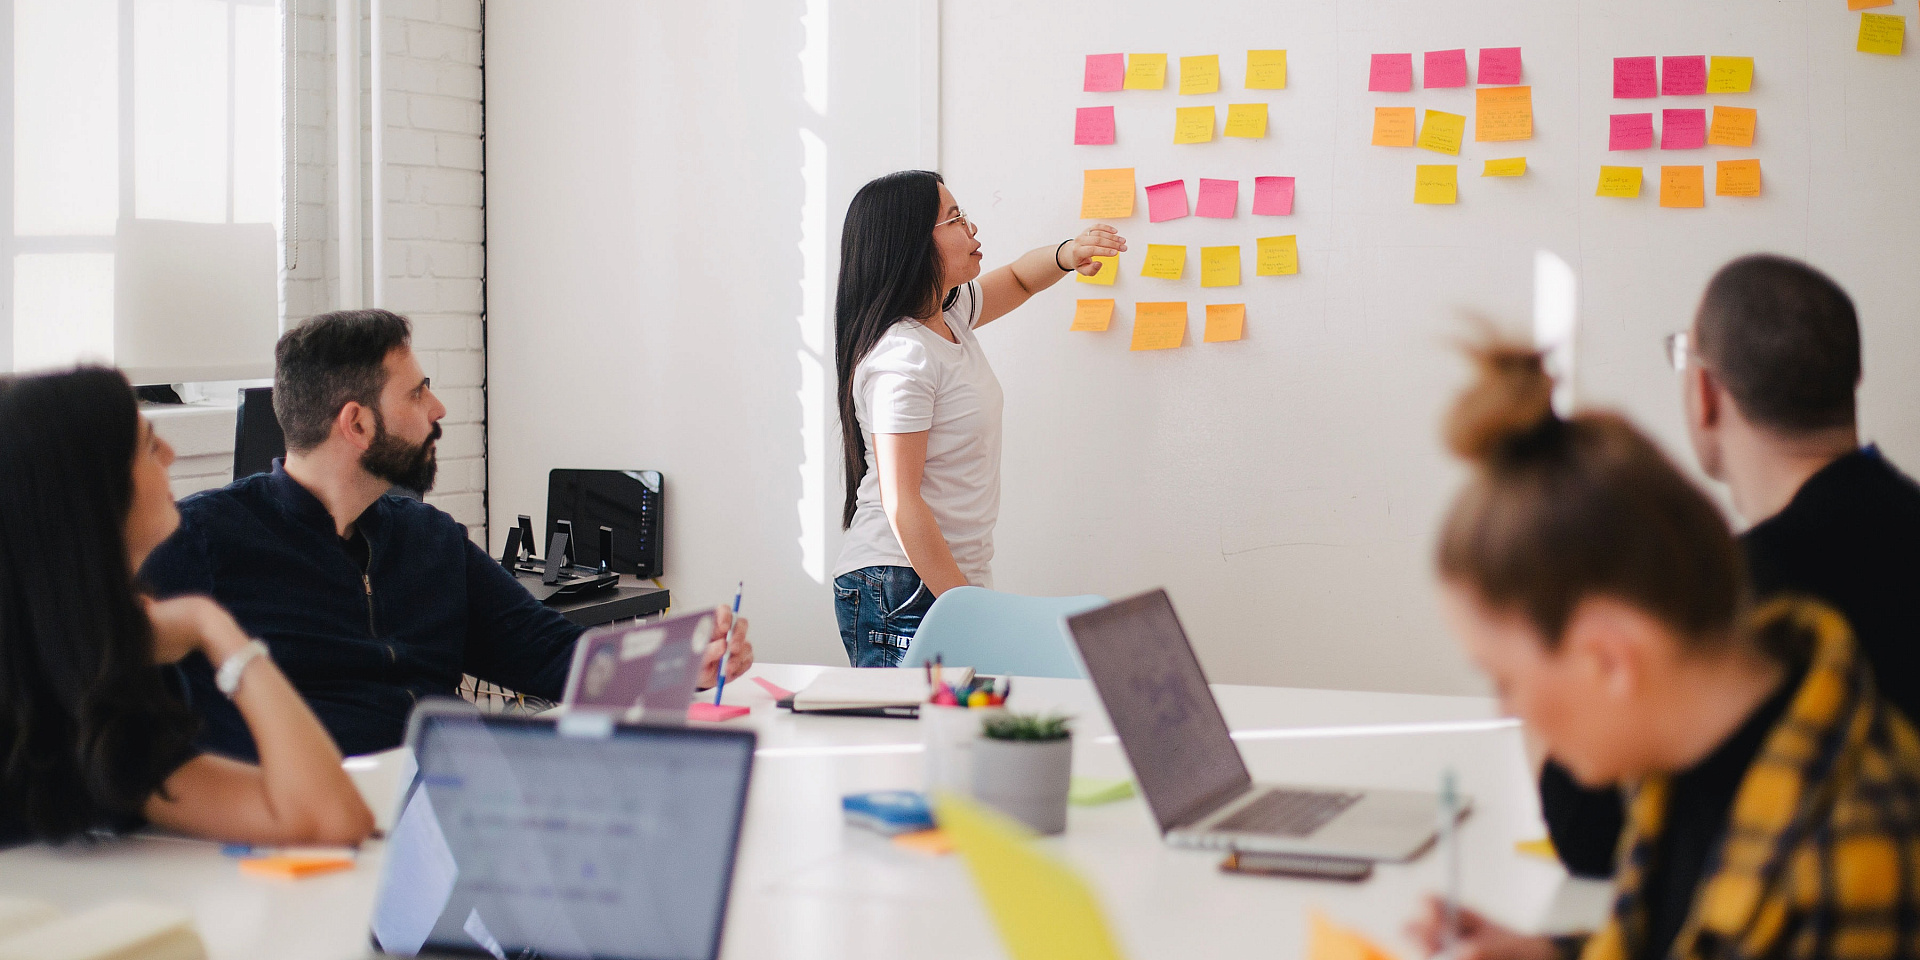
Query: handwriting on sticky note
1105	72
1146	71
1623	182
1393	126
1093	125
1503	113
1737	178
1683	76
1266	70
1226	322
1193	125
1630	131
1167	201
1159	326
1730	75
1165	261
1247	120
1273	196
1107	194
1092	316
1635	78
1219	266
1219	199
1732	127
1683	186
1683	129
1442	132
1881	33
1436	183
1105	276
1200	74
1276	256
1445	68
1391	73
1508	167
1500	65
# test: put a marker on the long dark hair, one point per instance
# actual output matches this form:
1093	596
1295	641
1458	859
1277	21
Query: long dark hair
889	270
88	724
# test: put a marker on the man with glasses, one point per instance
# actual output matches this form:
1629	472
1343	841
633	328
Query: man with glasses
1769	370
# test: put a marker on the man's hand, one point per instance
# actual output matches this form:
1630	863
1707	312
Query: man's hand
729	637
1477	937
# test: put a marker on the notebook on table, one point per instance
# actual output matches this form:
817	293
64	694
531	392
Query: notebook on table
871	691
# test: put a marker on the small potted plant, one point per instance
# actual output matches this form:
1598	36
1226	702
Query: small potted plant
1023	766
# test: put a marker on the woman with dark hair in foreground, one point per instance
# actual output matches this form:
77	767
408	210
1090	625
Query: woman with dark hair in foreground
93	735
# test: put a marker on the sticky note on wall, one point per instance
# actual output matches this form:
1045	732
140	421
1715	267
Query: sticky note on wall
1393	126
1445	68
1635	78
1683	76
1509	167
1093	125
1503	113
1436	183
1881	33
1146	71
1109	271
1167	201
1220	266
1500	65
1105	72
1219	199
1273	196
1092	316
1867	4
1442	132
1277	256
1683	129
1247	120
1737	178
1200	74
1159	326
1730	75
1193	125
1683	186
1630	131
1165	261
1225	322
1732	127
1266	70
1107	194
1622	182
1391	73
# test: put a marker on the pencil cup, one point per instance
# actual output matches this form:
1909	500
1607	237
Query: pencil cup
949	734
1025	779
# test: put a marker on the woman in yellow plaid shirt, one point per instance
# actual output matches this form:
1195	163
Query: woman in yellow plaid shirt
1775	807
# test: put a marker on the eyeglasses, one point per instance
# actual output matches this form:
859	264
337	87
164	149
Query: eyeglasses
960	218
1679	350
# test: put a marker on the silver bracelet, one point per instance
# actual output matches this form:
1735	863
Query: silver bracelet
228	676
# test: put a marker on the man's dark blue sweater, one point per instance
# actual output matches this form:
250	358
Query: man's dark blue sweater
361	643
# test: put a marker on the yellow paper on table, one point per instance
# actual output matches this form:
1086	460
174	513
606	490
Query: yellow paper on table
1619	182
1107	194
1737	178
1277	256
1503	113
1042	908
1247	120
1730	75
1200	74
1327	940
1436	183
1393	127
1880	33
1442	132
1109	271
1509	167
1092	316
1146	71
1732	127
1219	266
1193	125
1225	321
1266	70
1158	326
1683	186
1165	261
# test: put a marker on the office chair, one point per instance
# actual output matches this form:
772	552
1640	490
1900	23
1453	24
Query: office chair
1001	633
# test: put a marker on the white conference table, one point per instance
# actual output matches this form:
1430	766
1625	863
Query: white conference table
807	886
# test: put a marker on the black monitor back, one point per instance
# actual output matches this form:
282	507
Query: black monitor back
629	501
257	439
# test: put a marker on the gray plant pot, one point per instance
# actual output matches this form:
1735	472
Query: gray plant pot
1025	779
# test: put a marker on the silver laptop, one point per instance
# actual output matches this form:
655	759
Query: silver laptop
639	672
1185	760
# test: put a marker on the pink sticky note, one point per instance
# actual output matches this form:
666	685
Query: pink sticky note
1093	125
1167	201
1630	131
1683	129
1500	65
1273	196
1683	76
705	711
1635	78
1106	71
1392	73
1219	198
773	690
1445	68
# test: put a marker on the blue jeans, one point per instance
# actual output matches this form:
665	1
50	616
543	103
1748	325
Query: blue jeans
879	608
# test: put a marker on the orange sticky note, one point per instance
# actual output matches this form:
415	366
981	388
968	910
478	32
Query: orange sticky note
1092	316
1732	127
1107	194
1867	4
1503	113
1225	321
1683	186
933	843
1159	326
294	866
1393	127
1737	178
1327	940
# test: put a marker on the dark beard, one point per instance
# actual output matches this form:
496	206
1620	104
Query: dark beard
392	460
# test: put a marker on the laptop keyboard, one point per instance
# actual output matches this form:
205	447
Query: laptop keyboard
1287	813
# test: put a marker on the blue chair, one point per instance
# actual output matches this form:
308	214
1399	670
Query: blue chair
1001	633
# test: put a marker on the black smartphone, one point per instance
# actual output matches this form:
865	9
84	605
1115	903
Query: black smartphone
1307	866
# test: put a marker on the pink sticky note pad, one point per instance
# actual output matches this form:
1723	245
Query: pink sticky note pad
1630	131
1683	129
1167	201
1273	196
1219	198
1683	76
1499	65
706	712
1106	71
773	690
1093	125
1445	68
1635	78
1392	73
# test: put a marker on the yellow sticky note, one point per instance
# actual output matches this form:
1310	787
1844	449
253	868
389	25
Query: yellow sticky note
1880	33
1539	848
1193	125
1092	316
1732	127
1509	167
1266	69
1503	113
1107	194
1278	257
1247	120
1219	266
1436	183
1730	75
1683	186
1442	132
1200	74
1164	261
1225	321
1393	127
1109	271
1146	71
1619	182
1158	326
1327	940
1043	910
1737	178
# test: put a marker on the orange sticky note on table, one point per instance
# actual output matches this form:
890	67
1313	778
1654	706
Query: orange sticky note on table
1737	178
933	843
1225	321
1683	186
1277	256
1107	194
1393	127
1109	271
1159	326
1092	316
1732	127
294	866
1622	182
1503	113
1327	940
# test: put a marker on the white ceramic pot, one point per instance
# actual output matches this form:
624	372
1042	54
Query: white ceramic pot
1025	779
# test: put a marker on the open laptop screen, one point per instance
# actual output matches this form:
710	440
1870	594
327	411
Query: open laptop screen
1181	750
515	840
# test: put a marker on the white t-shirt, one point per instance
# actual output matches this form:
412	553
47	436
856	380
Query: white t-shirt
915	380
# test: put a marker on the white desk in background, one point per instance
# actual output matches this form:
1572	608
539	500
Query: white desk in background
809	887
